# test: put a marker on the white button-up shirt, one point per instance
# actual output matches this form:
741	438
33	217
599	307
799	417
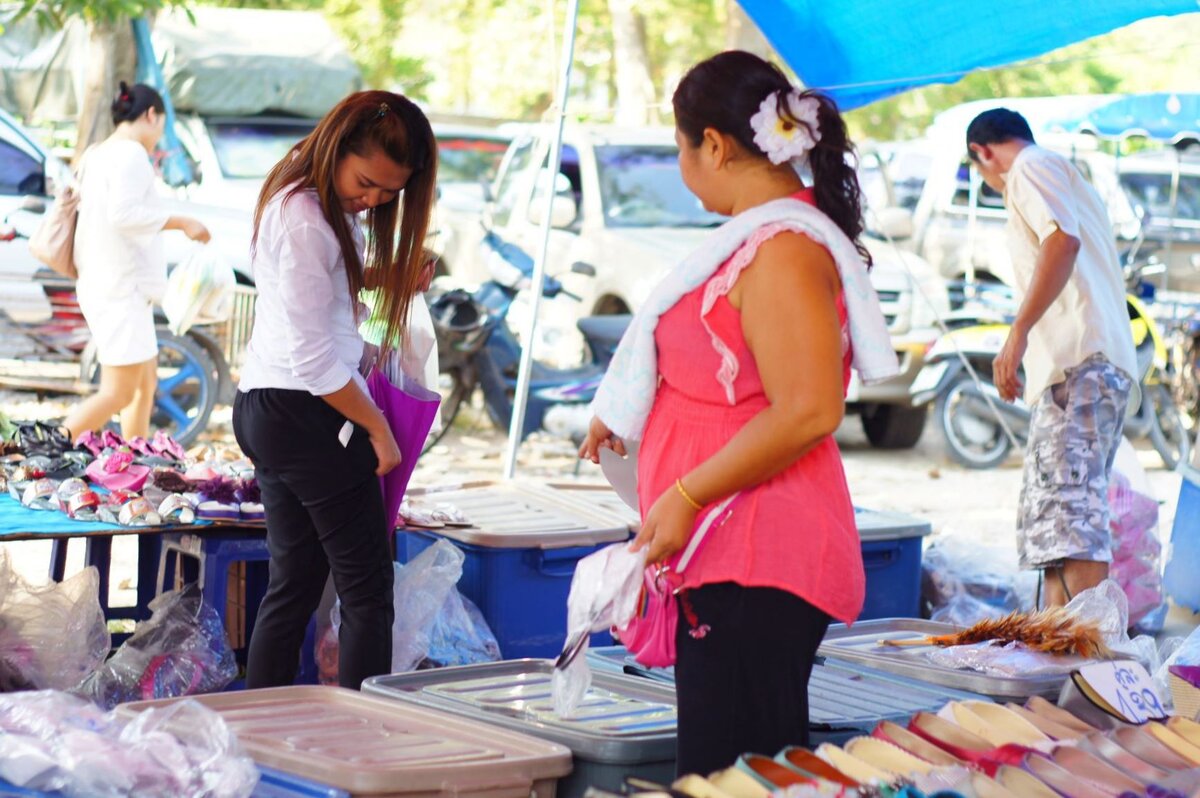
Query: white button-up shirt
305	322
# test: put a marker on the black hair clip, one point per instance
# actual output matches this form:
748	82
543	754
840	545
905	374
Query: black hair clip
383	109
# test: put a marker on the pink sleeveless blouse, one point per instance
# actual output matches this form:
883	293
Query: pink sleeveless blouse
796	532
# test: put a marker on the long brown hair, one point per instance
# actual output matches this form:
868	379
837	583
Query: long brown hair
363	123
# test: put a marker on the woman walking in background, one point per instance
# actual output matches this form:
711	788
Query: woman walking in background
121	265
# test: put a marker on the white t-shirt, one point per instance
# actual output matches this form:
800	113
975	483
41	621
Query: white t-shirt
305	335
118	249
1044	192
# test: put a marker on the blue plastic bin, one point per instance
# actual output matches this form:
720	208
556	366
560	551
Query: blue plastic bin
522	593
1183	555
891	552
521	552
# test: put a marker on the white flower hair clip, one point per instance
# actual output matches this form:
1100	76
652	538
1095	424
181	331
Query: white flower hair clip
781	138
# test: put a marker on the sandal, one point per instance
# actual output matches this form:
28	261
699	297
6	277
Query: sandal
138	513
40	495
166	446
117	471
177	509
89	442
418	517
83	506
219	500
250	501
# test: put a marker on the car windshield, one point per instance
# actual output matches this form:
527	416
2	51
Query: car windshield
640	186
248	150
1153	193
469	159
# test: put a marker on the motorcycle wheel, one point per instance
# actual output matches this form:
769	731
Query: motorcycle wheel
187	387
455	392
971	440
1168	433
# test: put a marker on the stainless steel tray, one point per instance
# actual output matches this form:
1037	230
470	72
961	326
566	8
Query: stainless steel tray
861	644
622	719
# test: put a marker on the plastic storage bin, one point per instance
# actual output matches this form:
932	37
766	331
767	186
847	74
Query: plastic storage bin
844	699
625	726
271	784
891	552
520	556
862	645
1183	555
368	745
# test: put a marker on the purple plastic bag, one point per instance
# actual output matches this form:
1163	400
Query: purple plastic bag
409	409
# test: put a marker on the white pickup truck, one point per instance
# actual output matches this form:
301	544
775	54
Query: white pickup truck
621	207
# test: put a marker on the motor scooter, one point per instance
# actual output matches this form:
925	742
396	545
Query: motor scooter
477	349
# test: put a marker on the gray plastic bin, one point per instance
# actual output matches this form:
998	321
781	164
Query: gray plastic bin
625	725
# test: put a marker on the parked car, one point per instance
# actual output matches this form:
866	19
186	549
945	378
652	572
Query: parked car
29	170
232	155
468	159
621	207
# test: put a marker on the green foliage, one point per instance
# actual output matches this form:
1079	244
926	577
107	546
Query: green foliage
54	13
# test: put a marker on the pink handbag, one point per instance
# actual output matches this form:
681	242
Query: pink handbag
650	634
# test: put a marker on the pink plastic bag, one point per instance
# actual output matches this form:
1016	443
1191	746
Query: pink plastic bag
1137	552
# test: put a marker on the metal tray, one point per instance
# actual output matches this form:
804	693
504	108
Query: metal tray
861	644
622	719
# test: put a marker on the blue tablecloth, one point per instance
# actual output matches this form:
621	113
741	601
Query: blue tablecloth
18	520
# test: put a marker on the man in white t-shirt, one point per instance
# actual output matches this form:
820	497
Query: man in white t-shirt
1072	334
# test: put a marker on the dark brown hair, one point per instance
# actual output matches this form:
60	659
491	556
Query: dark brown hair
724	91
364	123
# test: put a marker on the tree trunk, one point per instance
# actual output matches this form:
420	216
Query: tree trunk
742	34
111	58
636	101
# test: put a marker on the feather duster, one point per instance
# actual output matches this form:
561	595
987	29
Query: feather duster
1052	631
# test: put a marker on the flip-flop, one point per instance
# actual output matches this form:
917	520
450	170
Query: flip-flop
117	471
40	495
138	513
177	509
83	506
163	444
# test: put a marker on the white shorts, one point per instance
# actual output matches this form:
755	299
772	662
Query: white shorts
123	329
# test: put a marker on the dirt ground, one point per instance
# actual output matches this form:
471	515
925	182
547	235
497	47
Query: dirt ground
976	506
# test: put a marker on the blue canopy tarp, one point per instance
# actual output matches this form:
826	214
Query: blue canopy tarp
1162	116
866	50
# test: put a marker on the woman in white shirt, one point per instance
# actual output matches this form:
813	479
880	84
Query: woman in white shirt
122	269
302	413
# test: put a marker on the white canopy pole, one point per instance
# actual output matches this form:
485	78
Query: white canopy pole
521	399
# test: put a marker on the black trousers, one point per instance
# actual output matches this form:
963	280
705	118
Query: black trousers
325	514
743	686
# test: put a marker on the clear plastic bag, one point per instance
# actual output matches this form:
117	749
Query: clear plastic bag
53	635
1104	605
182	650
52	741
422	590
964	582
199	290
604	595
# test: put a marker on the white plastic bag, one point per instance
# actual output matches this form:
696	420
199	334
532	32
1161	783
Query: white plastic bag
51	741
53	635
199	290
604	594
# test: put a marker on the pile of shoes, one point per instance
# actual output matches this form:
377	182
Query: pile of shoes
971	749
134	483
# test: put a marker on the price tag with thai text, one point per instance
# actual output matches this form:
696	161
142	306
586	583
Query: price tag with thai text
1126	688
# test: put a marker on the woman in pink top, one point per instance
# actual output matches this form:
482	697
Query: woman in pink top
752	372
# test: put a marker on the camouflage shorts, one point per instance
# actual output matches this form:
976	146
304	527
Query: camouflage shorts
1074	433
